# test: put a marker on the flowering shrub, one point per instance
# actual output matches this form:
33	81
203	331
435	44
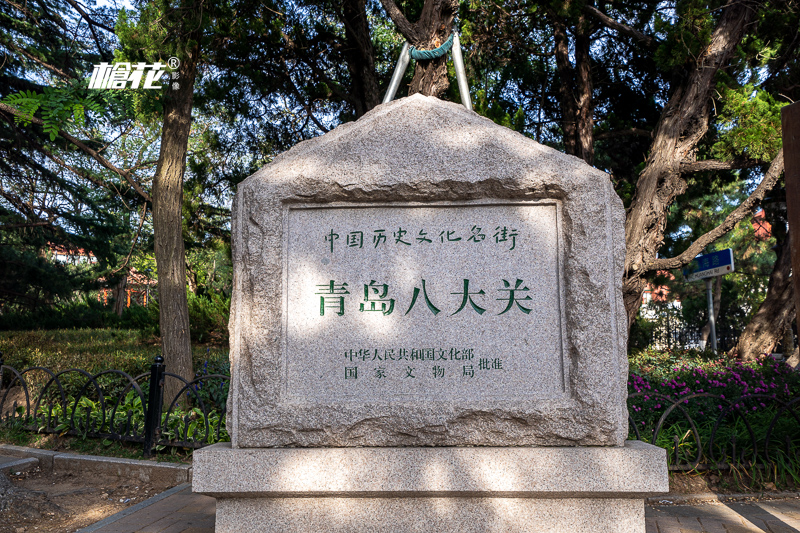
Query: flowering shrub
704	408
716	376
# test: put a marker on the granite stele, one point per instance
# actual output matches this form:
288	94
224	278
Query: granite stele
427	334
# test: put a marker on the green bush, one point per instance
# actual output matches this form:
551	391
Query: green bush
208	318
79	313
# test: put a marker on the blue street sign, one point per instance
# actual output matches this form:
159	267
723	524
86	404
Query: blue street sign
710	265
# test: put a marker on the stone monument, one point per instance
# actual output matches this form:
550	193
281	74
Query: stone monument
427	334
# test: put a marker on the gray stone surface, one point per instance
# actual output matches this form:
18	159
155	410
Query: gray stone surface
145	471
45	457
636	470
429	157
424	515
17	464
114	466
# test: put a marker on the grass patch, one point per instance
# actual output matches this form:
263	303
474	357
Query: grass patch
92	350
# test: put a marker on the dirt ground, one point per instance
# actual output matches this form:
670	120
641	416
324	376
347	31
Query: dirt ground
61	503
722	483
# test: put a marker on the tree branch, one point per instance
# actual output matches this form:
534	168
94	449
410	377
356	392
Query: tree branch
688	167
83	174
736	216
86	16
94	155
92	24
135	240
406	28
28	225
622	133
32	57
620	27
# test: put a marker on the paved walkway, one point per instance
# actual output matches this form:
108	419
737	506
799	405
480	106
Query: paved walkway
776	516
180	511
174	511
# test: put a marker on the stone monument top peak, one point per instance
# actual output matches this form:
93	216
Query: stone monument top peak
394	142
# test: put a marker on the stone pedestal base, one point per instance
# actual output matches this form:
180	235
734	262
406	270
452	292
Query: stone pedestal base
437	490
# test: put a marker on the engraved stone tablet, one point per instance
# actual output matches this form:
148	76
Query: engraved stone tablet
391	303
424	276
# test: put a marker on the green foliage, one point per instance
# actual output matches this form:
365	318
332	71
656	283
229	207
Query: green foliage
88	416
709	202
492	110
641	333
16	433
208	317
57	105
81	313
750	124
93	350
686	33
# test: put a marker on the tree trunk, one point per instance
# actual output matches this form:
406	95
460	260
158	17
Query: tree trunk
717	298
119	295
575	87
787	343
584	86
431	30
794	359
360	56
566	75
683	123
168	227
191	279
434	27
766	328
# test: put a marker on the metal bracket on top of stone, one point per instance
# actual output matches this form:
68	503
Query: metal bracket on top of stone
411	52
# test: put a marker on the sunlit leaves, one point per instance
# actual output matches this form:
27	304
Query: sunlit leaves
750	125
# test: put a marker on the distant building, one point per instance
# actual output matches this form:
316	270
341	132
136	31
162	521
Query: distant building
72	256
762	227
659	293
138	289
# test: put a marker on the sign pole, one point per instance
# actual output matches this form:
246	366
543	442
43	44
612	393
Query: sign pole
710	294
790	122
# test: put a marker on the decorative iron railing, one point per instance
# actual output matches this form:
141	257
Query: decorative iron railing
115	405
710	431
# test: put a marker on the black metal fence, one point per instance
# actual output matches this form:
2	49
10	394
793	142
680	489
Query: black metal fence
709	431
699	431
116	406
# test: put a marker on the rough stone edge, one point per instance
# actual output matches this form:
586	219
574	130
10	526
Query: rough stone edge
20	465
213	481
133	509
114	466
